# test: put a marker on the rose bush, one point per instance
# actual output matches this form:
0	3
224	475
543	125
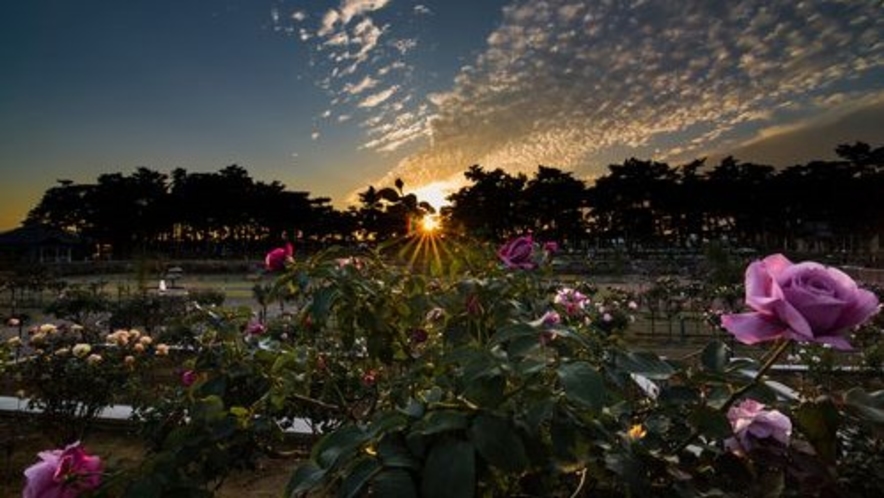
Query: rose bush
69	377
479	379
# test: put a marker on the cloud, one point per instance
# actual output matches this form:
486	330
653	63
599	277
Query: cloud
350	55
567	83
379	98
363	85
816	138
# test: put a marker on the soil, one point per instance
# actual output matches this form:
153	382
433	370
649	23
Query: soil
21	440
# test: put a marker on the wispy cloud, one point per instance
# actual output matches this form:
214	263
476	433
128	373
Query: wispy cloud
563	83
352	55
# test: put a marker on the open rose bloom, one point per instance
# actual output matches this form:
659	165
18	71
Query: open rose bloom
62	474
276	259
807	302
752	424
518	253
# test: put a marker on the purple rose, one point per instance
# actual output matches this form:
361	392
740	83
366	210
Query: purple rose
806	302
752	423
518	253
62	474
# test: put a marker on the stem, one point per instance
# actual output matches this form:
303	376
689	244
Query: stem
780	349
775	355
580	484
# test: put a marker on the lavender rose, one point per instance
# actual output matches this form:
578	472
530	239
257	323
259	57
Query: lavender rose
751	423
806	302
518	253
62	473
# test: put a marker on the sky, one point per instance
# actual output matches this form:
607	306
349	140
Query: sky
333	96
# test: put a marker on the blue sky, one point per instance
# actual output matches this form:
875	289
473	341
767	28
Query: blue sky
331	96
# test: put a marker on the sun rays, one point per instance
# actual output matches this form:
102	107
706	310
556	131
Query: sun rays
425	248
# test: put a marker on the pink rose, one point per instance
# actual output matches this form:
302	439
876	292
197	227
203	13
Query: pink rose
752	423
277	258
550	247
806	302
188	377
62	474
573	301
518	253
256	328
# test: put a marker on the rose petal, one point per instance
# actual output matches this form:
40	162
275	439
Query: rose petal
865	304
821	312
776	264
752	328
791	318
836	341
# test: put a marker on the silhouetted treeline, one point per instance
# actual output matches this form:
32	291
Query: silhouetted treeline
821	205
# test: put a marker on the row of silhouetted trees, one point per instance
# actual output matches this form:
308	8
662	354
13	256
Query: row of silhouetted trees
824	204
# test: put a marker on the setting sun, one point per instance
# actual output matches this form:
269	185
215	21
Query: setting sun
430	223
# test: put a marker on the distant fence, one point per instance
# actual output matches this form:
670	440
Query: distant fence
865	275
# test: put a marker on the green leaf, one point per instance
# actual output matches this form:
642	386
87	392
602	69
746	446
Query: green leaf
818	421
358	476
583	384
393	452
394	483
450	470
486	392
306	476
646	364
714	356
710	422
498	443
442	421
147	487
869	407
387	422
334	444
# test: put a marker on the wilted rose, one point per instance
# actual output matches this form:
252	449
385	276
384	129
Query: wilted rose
806	302
62	473
276	259
518	253
751	423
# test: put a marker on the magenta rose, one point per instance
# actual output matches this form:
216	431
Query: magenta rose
255	328
518	253
276	259
188	377
751	423
62	473
806	302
